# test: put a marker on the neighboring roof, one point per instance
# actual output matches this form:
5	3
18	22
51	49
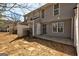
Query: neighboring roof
44	6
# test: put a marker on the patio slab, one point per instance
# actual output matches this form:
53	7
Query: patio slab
57	39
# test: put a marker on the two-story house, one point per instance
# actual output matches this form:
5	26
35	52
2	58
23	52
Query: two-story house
55	20
52	19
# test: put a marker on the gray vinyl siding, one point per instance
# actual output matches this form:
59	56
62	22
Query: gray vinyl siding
67	29
66	12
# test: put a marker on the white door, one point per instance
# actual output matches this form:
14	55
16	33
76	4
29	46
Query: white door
38	31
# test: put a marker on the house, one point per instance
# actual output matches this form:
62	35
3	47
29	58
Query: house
56	22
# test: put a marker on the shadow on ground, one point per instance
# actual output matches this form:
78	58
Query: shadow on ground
17	38
70	50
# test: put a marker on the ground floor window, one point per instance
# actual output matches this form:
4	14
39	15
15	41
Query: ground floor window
58	27
55	27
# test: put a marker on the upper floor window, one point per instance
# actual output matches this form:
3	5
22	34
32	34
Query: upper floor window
43	13
56	9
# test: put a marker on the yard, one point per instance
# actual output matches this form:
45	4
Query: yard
13	46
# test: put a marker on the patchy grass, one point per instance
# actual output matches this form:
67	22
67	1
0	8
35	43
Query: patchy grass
32	47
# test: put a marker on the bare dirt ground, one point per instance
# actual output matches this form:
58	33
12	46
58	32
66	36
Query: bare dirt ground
32	47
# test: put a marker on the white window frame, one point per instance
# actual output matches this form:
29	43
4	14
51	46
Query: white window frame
63	27
43	13
57	27
58	9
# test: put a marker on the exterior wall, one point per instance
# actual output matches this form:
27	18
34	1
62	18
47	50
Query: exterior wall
67	29
65	34
20	30
66	12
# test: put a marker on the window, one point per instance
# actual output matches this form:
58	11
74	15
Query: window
31	19
56	9
58	27
56	6
54	27
43	13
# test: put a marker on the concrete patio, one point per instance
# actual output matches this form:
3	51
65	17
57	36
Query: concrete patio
57	39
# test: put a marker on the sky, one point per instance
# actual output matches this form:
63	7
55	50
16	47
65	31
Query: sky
33	7
21	11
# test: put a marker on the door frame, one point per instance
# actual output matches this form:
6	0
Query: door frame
38	28
44	29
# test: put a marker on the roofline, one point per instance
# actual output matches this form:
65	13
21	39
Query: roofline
38	8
